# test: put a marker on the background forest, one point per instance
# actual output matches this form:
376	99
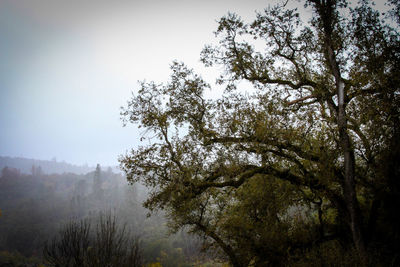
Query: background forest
35	207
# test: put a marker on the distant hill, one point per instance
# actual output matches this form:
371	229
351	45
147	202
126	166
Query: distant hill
47	166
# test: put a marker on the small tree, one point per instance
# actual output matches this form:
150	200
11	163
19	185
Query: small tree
108	245
97	181
71	247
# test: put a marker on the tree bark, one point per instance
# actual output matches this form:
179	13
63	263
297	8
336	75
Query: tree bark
225	247
325	9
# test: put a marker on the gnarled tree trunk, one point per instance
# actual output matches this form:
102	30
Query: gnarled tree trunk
325	9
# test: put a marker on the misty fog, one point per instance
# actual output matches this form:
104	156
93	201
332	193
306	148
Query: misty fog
36	205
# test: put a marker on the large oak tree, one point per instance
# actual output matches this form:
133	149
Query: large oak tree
307	156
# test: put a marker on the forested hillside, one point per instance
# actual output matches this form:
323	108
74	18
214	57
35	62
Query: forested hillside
28	166
34	208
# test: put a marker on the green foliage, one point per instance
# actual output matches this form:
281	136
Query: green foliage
304	163
16	259
176	250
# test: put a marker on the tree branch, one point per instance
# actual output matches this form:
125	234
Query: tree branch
301	99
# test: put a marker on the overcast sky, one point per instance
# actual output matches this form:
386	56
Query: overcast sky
66	68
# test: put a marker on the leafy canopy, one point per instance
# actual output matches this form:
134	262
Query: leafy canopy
261	173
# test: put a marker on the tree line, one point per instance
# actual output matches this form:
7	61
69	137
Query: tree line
93	219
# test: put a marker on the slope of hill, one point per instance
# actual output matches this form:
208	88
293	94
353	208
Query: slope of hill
46	166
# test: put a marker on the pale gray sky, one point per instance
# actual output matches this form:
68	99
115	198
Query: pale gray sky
66	67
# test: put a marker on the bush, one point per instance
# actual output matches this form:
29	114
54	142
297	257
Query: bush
108	245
